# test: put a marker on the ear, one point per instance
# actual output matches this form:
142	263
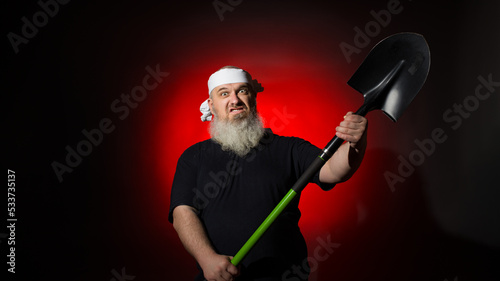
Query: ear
210	104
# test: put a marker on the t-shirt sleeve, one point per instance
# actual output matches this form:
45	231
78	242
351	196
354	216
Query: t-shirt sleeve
184	184
306	153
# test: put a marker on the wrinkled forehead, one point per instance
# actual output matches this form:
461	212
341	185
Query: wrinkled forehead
228	76
231	86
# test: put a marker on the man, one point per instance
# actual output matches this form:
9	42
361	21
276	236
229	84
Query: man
226	186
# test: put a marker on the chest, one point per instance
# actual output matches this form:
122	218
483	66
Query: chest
263	172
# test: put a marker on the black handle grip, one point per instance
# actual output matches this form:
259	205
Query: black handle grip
302	182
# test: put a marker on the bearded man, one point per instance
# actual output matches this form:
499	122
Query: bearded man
225	187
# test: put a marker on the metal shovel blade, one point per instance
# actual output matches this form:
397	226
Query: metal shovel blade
393	73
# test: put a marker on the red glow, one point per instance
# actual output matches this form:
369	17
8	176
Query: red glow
300	80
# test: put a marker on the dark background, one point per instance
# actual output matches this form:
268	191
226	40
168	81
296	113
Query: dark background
109	215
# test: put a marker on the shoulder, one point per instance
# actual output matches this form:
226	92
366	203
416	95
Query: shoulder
287	145
194	151
200	146
279	140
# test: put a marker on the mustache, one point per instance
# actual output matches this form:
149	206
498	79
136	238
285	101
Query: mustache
236	107
238	137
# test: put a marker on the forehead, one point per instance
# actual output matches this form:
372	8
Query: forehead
229	86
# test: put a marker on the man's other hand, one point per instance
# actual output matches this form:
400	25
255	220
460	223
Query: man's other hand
219	268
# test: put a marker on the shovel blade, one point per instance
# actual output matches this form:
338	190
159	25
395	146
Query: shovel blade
393	73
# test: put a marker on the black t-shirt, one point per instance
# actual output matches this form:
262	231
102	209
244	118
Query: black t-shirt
235	194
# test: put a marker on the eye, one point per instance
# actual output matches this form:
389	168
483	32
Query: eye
224	94
243	91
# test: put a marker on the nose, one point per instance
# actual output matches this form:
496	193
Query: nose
233	98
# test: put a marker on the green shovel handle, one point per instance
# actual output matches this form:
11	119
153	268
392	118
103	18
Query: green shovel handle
301	183
263	227
296	189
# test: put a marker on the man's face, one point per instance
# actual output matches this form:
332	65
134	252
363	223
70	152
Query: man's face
231	101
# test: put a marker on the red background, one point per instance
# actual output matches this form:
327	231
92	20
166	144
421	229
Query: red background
110	212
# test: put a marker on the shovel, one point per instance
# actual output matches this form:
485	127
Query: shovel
389	78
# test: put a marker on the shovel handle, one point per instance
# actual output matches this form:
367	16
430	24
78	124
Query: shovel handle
301	183
263	227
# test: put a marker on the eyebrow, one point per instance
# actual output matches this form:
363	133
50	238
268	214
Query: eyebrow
223	88
242	87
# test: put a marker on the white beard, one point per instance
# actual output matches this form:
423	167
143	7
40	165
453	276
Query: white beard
238	136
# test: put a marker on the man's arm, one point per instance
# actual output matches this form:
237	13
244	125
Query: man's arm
195	240
347	159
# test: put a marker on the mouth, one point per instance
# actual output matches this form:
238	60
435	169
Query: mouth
236	110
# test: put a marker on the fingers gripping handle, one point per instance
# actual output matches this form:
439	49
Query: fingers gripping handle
334	145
